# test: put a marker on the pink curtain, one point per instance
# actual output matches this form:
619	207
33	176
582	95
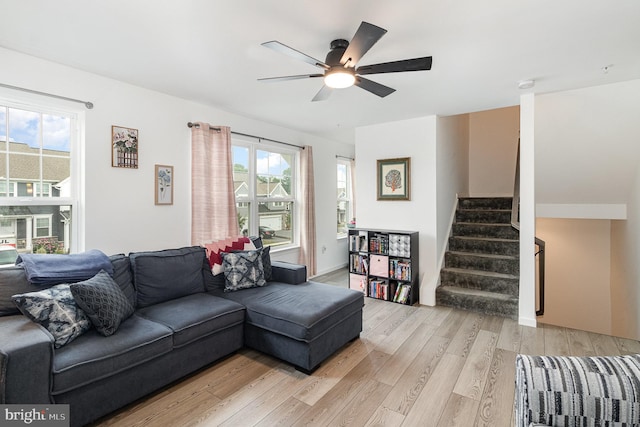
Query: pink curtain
307	212
213	203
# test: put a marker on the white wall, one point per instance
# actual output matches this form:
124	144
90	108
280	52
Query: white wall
438	147
493	145
120	211
587	148
415	138
625	268
587	159
452	174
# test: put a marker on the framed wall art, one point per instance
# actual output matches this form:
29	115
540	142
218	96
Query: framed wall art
164	185
394	179
124	147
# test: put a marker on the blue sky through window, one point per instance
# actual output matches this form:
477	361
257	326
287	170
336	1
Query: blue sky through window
24	126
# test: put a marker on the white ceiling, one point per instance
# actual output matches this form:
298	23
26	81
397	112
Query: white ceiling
209	51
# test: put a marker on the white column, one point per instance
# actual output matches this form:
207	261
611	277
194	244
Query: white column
527	303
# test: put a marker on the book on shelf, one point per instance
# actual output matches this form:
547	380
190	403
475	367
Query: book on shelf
379	243
399	269
402	294
358	264
358	243
379	289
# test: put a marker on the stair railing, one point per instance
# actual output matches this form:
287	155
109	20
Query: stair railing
515	223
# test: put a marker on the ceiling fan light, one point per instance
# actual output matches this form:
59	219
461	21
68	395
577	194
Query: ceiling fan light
339	79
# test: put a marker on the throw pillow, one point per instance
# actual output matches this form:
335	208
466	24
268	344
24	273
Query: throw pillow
56	310
266	262
216	248
103	301
243	270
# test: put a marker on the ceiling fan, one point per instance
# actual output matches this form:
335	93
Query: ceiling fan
340	65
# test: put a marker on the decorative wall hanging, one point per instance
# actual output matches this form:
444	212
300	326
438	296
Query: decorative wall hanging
164	185
394	179
124	147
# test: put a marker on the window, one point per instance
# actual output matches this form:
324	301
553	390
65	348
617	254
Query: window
37	149
264	185
344	211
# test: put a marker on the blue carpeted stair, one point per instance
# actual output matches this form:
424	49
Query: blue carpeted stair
482	267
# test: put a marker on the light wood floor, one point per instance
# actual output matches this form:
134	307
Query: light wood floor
412	366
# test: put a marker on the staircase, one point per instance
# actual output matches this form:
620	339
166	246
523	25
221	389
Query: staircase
482	266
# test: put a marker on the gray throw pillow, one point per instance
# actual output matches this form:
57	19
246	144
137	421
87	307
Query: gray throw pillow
243	270
266	262
103	301
56	310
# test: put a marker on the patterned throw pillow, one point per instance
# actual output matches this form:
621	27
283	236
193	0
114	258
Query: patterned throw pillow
103	301
243	270
56	310
216	248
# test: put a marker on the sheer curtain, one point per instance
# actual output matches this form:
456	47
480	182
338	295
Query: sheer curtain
213	204
307	212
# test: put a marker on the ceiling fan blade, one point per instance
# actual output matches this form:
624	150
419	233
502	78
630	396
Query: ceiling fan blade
373	87
323	94
285	78
366	36
283	48
416	64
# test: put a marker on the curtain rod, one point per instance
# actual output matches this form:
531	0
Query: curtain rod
345	157
87	104
259	138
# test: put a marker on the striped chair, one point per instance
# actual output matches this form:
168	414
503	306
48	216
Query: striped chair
577	391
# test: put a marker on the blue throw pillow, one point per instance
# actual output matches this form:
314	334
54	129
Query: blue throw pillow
56	310
103	301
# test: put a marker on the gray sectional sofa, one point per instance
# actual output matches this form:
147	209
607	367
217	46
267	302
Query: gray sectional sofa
182	321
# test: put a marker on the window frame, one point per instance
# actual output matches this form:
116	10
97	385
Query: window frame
254	201
348	198
76	168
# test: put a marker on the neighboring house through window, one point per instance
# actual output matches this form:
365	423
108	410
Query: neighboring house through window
344	211
38	187
265	188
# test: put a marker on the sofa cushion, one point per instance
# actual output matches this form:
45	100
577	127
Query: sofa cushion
13	281
56	310
123	277
164	275
92	356
243	270
194	316
103	301
302	312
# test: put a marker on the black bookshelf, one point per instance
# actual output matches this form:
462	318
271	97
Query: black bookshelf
384	264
